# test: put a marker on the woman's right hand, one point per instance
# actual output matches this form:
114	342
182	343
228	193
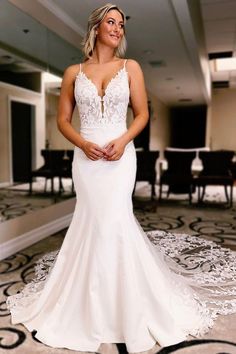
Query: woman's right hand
92	150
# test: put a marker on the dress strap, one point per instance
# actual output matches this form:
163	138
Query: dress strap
80	67
125	62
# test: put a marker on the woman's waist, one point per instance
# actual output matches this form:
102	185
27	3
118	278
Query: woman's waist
102	135
103	131
103	126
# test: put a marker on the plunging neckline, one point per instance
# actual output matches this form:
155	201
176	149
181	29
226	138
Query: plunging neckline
109	83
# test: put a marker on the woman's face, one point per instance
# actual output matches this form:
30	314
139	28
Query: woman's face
111	29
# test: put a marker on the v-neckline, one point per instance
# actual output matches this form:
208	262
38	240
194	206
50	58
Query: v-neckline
109	83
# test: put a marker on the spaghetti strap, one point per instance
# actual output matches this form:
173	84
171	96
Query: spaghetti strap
80	67
125	62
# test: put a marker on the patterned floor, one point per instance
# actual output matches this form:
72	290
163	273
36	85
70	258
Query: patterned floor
15	200
213	221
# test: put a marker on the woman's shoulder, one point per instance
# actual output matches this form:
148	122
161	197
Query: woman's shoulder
71	69
133	65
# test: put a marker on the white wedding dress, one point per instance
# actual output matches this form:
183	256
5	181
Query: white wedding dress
111	282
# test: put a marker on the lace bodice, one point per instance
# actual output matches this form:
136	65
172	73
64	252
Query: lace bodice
111	108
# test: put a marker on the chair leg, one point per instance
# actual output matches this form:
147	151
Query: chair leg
203	193
61	187
198	194
153	193
30	185
160	192
226	194
231	195
190	195
52	185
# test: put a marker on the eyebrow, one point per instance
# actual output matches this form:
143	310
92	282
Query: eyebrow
114	19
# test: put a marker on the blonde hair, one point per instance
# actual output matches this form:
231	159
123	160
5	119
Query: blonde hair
94	20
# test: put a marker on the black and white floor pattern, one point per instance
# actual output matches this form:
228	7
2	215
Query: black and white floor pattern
215	224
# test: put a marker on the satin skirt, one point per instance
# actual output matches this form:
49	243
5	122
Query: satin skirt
108	283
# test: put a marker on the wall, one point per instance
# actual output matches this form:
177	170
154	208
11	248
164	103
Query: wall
223	119
10	92
160	124
53	135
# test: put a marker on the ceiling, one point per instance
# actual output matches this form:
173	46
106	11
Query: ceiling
175	35
219	18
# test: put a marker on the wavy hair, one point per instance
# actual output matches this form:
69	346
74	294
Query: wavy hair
95	18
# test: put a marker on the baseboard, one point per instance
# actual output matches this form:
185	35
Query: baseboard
5	184
27	239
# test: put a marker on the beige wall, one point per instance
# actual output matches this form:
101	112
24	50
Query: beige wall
160	124
10	92
223	120
53	135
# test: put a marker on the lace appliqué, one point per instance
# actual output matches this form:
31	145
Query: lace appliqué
208	268
115	100
204	278
31	291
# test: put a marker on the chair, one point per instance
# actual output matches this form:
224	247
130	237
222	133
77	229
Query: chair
66	169
216	171
146	168
50	169
178	175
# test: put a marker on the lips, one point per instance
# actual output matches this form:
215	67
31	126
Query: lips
113	35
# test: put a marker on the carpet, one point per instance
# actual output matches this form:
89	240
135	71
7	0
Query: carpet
212	222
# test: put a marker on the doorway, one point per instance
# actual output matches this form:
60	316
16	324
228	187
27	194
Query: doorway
22	140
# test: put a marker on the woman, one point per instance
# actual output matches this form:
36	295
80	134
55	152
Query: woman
109	283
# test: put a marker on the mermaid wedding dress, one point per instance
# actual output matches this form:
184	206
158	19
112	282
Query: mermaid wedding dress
111	282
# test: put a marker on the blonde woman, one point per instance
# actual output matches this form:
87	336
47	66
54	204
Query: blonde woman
108	283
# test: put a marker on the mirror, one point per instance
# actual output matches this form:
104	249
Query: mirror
29	52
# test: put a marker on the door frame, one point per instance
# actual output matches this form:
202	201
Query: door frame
12	98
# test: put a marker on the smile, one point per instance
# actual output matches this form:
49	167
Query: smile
112	35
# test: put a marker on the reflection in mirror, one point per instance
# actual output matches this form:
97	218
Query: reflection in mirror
29	56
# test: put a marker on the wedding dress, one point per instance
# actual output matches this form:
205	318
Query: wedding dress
111	282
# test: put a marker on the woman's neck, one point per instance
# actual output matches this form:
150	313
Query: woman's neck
103	55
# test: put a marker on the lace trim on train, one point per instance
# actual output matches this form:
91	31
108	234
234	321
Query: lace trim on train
206	266
209	270
31	291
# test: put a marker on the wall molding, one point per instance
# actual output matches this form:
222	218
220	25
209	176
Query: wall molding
4	184
29	238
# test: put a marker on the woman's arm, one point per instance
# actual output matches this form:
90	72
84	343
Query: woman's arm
139	104
64	116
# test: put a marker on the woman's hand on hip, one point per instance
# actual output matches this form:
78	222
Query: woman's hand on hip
92	150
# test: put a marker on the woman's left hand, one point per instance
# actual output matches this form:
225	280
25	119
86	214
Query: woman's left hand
114	150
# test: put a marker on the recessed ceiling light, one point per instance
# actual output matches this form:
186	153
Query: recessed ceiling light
148	51
225	64
185	100
157	63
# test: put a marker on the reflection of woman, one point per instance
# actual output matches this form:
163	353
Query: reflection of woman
109	283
